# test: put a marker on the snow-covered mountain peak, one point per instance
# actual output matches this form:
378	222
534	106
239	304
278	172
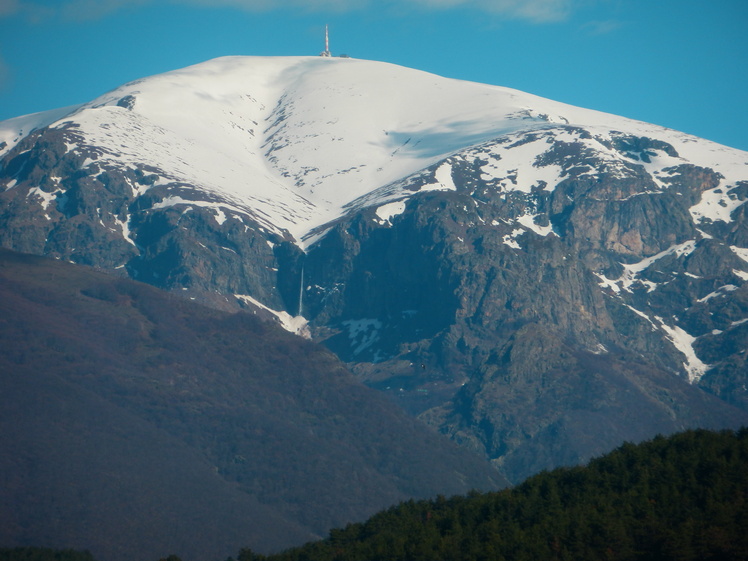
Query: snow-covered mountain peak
293	140
481	253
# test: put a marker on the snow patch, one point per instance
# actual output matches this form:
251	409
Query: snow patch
682	341
510	239
388	211
605	282
442	179
716	204
293	324
740	252
632	271
362	333
642	315
721	291
125	228
685	248
45	199
511	242
528	221
220	215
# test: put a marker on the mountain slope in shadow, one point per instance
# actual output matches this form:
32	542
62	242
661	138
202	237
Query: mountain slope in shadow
134	423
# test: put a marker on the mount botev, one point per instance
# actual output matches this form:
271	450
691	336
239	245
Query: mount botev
536	280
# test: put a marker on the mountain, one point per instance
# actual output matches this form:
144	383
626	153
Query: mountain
538	281
135	424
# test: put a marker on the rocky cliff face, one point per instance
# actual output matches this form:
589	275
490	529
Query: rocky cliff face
539	296
539	326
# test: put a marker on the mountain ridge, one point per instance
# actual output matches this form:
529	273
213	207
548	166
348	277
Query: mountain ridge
249	117
481	255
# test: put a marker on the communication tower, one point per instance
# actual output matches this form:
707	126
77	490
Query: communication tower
326	52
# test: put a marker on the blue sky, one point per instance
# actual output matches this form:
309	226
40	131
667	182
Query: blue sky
678	63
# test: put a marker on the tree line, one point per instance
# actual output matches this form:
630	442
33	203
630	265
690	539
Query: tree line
684	497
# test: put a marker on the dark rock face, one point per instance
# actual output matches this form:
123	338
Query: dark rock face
65	205
539	323
512	337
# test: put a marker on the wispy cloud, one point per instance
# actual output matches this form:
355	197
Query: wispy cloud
537	11
5	75
533	10
306	5
8	7
36	10
94	9
602	27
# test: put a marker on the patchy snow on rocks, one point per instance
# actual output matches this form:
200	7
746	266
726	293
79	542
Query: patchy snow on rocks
363	333
633	270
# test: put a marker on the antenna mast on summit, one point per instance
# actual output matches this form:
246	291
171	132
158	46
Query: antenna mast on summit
326	52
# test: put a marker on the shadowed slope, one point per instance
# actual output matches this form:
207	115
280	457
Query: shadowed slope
132	420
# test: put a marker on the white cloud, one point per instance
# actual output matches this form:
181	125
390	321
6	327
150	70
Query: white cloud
94	9
537	11
39	10
267	5
8	7
533	10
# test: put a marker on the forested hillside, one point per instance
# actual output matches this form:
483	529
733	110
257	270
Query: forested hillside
43	554
683	497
